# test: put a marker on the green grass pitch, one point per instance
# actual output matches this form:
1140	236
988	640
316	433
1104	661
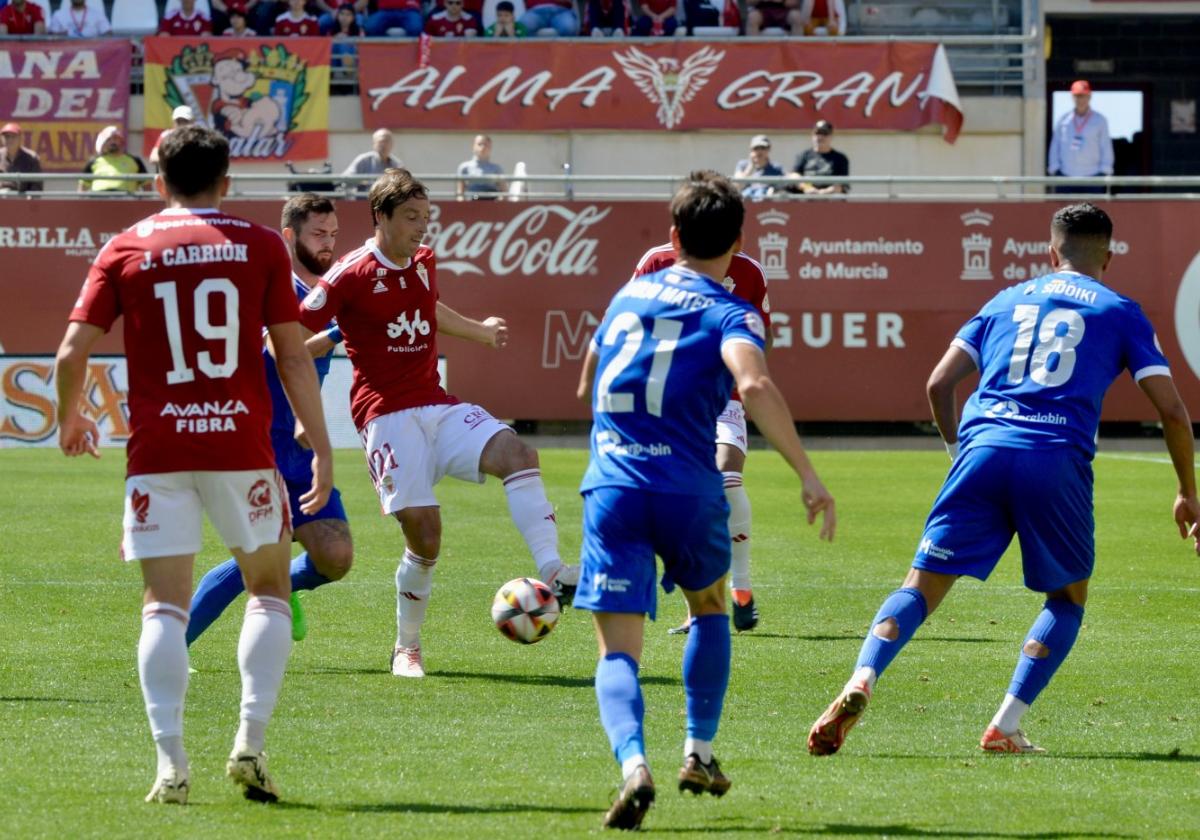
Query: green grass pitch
503	740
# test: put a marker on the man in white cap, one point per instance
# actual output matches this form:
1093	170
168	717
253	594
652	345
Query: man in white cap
1080	146
16	158
181	116
110	163
758	165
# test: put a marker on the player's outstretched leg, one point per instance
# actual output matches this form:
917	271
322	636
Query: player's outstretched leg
706	659
622	711
745	611
898	618
414	583
163	671
219	587
1049	641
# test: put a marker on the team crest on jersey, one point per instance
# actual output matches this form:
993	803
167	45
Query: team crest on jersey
423	273
315	299
728	283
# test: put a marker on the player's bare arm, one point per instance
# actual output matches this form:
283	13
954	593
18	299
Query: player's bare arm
1177	431
491	331
955	366
749	368
587	375
76	434
299	379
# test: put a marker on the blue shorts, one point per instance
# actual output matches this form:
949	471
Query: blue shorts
1043	496
623	528
333	508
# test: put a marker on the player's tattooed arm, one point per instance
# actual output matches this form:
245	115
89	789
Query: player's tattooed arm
76	434
491	331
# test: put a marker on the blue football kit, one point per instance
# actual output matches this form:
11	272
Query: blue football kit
1047	351
652	485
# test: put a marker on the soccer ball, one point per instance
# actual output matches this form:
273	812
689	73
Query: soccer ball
525	610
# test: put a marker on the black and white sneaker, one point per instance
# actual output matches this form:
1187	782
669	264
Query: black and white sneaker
563	582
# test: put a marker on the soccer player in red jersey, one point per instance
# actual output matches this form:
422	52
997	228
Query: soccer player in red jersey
384	296
747	280
296	22
196	287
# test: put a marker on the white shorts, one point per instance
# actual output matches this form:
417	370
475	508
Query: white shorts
163	511
731	426
409	451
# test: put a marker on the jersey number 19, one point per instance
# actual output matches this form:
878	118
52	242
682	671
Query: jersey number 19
228	332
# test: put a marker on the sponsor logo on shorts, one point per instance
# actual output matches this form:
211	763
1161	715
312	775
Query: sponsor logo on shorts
139	502
388	484
931	549
603	583
476	418
259	498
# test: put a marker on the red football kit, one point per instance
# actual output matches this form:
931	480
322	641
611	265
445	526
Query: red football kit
440	25
23	21
388	317
177	24
196	288
287	26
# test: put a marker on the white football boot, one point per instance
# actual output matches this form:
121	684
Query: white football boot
249	770
408	662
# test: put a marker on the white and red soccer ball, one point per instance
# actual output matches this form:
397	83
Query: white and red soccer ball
525	610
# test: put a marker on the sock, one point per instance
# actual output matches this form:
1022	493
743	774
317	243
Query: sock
414	582
621	709
739	529
304	573
1056	627
263	651
701	749
1008	716
706	674
534	517
907	607
216	591
163	671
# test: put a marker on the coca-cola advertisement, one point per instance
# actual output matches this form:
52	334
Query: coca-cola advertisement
672	85
864	296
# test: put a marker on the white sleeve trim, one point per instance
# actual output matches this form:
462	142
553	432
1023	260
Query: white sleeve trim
966	347
737	339
1152	370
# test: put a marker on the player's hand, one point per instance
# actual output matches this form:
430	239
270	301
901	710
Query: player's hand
301	436
322	485
496	330
1187	517
77	435
817	500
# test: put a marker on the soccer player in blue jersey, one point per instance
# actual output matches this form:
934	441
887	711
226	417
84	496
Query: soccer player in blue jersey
1047	351
670	348
309	227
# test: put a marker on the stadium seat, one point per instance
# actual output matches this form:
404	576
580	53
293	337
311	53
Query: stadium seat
715	31
134	17
516	187
488	14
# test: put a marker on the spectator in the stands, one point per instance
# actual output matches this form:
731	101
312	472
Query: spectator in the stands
79	19
21	17
17	158
558	15
375	161
773	14
181	116
607	17
296	21
239	24
396	14
821	160
328	14
657	18
469	183
187	21
711	13
506	25
452	22
346	30
111	162
758	165
1081	146
822	17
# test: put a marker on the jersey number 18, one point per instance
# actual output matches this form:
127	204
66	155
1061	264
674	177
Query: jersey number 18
1049	343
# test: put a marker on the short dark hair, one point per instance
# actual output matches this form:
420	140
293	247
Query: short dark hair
708	213
1082	233
505	6
394	187
193	159
298	208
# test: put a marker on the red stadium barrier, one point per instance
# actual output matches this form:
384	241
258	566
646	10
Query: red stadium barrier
865	296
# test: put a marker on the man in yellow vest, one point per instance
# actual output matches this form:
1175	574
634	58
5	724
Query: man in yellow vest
111	162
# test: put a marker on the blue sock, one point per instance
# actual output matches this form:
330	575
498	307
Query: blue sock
216	591
1056	627
621	706
706	674
305	574
907	607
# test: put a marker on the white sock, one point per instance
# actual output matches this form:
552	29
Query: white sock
632	763
263	650
864	674
739	529
702	749
1008	716
534	517
414	582
163	670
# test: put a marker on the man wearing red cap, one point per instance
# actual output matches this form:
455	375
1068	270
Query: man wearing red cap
1080	146
16	158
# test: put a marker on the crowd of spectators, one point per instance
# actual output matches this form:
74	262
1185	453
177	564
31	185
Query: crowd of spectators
812	165
345	20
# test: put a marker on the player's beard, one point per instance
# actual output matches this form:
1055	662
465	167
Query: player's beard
317	263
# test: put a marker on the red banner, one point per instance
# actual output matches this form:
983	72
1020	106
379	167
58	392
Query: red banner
676	85
865	296
63	93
